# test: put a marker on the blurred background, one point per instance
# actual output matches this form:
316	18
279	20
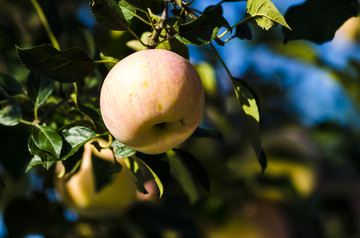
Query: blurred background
310	130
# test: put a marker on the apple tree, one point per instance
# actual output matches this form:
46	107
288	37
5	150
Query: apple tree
52	107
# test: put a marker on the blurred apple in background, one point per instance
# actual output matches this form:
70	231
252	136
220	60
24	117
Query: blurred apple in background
152	100
78	192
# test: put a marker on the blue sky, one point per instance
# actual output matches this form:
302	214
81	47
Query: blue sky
314	93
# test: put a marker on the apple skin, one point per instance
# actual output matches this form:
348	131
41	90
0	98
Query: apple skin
78	192
152	100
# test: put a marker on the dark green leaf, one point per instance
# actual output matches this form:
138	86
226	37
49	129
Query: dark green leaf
133	166
102	170
10	112
196	169
121	150
156	6
318	20
243	31
47	139
76	137
250	107
65	66
36	160
265	14
39	88
158	166
204	29
47	159
91	111
208	133
184	175
75	123
112	14
10	85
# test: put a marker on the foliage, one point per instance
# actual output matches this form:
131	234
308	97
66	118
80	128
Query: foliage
57	97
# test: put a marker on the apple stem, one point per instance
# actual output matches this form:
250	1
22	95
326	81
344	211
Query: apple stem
156	32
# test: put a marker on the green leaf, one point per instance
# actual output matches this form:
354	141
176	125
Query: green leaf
121	150
133	166
136	45
10	85
318	20
47	159
36	160
39	88
102	170
113	14
243	31
181	172
208	133
204	29
65	66
76	137
110	58
195	168
47	139
176	46
10	112
250	108
158	166
265	14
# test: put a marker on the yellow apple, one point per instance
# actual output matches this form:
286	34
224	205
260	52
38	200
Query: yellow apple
152	100
78	191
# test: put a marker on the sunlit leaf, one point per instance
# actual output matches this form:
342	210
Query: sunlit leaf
36	160
109	65
76	137
65	66
318	20
121	150
47	139
176	46
250	108
47	158
159	167
265	14
133	166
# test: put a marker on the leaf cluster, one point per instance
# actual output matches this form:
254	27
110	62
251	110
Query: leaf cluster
59	99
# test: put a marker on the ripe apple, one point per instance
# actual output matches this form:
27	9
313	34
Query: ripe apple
152	100
78	191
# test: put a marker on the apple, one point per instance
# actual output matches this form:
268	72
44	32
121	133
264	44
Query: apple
152	100
78	191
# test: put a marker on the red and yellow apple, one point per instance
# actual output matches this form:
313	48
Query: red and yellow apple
152	100
78	192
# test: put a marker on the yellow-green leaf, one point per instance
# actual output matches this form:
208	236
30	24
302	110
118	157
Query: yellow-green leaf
265	14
